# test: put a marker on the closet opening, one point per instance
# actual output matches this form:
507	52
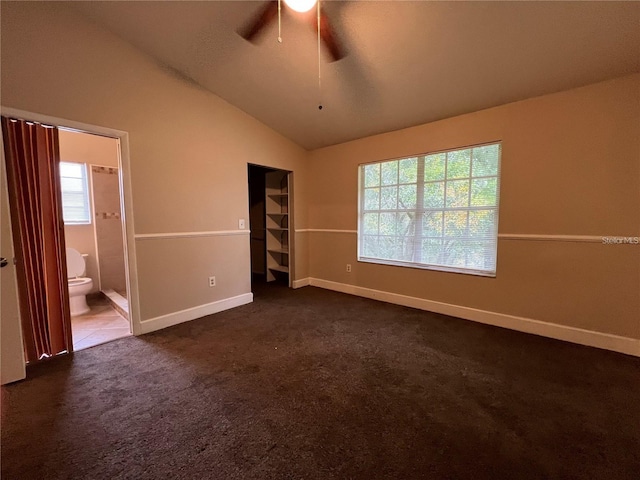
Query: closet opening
271	224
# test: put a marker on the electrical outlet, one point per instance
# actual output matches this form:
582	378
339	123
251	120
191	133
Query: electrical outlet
348	267
212	281
241	224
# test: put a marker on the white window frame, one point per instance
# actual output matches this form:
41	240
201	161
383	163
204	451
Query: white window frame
468	208
85	195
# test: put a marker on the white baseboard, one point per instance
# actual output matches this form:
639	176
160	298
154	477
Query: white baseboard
164	321
301	283
630	346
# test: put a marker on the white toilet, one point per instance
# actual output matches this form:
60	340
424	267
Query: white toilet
79	286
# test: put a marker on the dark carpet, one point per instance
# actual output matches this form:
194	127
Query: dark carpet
313	384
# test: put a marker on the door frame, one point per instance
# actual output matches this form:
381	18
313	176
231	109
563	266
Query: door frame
125	188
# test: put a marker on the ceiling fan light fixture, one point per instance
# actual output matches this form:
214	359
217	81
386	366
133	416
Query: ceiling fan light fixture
300	5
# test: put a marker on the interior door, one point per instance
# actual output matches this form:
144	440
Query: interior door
11	348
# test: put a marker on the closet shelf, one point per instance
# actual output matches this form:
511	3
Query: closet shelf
277	222
280	268
278	250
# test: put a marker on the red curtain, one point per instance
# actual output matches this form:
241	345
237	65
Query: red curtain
33	161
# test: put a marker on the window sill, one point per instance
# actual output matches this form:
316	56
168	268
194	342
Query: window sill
438	268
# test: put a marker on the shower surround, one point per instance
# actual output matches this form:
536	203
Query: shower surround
109	235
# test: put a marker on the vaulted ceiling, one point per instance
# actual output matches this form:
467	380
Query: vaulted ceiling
408	63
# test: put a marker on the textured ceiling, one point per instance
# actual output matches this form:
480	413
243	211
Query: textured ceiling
409	62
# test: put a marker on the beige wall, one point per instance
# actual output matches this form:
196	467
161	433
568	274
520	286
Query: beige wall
570	166
189	149
92	150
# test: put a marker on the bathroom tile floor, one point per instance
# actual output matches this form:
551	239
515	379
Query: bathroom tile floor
102	324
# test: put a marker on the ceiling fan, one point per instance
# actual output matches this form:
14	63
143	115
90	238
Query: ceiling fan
252	29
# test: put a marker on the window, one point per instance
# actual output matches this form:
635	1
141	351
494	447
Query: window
436	211
75	195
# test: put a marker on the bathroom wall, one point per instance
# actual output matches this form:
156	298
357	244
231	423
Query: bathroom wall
93	150
108	227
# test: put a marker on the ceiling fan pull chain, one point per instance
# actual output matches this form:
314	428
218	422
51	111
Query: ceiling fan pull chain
319	76
279	21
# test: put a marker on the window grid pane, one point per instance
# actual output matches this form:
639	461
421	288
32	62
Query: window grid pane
454	225
75	195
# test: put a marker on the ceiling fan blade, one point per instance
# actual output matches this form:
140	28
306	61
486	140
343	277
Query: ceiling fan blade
261	20
336	50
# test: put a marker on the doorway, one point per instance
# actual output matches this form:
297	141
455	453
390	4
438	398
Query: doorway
93	216
120	149
271	224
